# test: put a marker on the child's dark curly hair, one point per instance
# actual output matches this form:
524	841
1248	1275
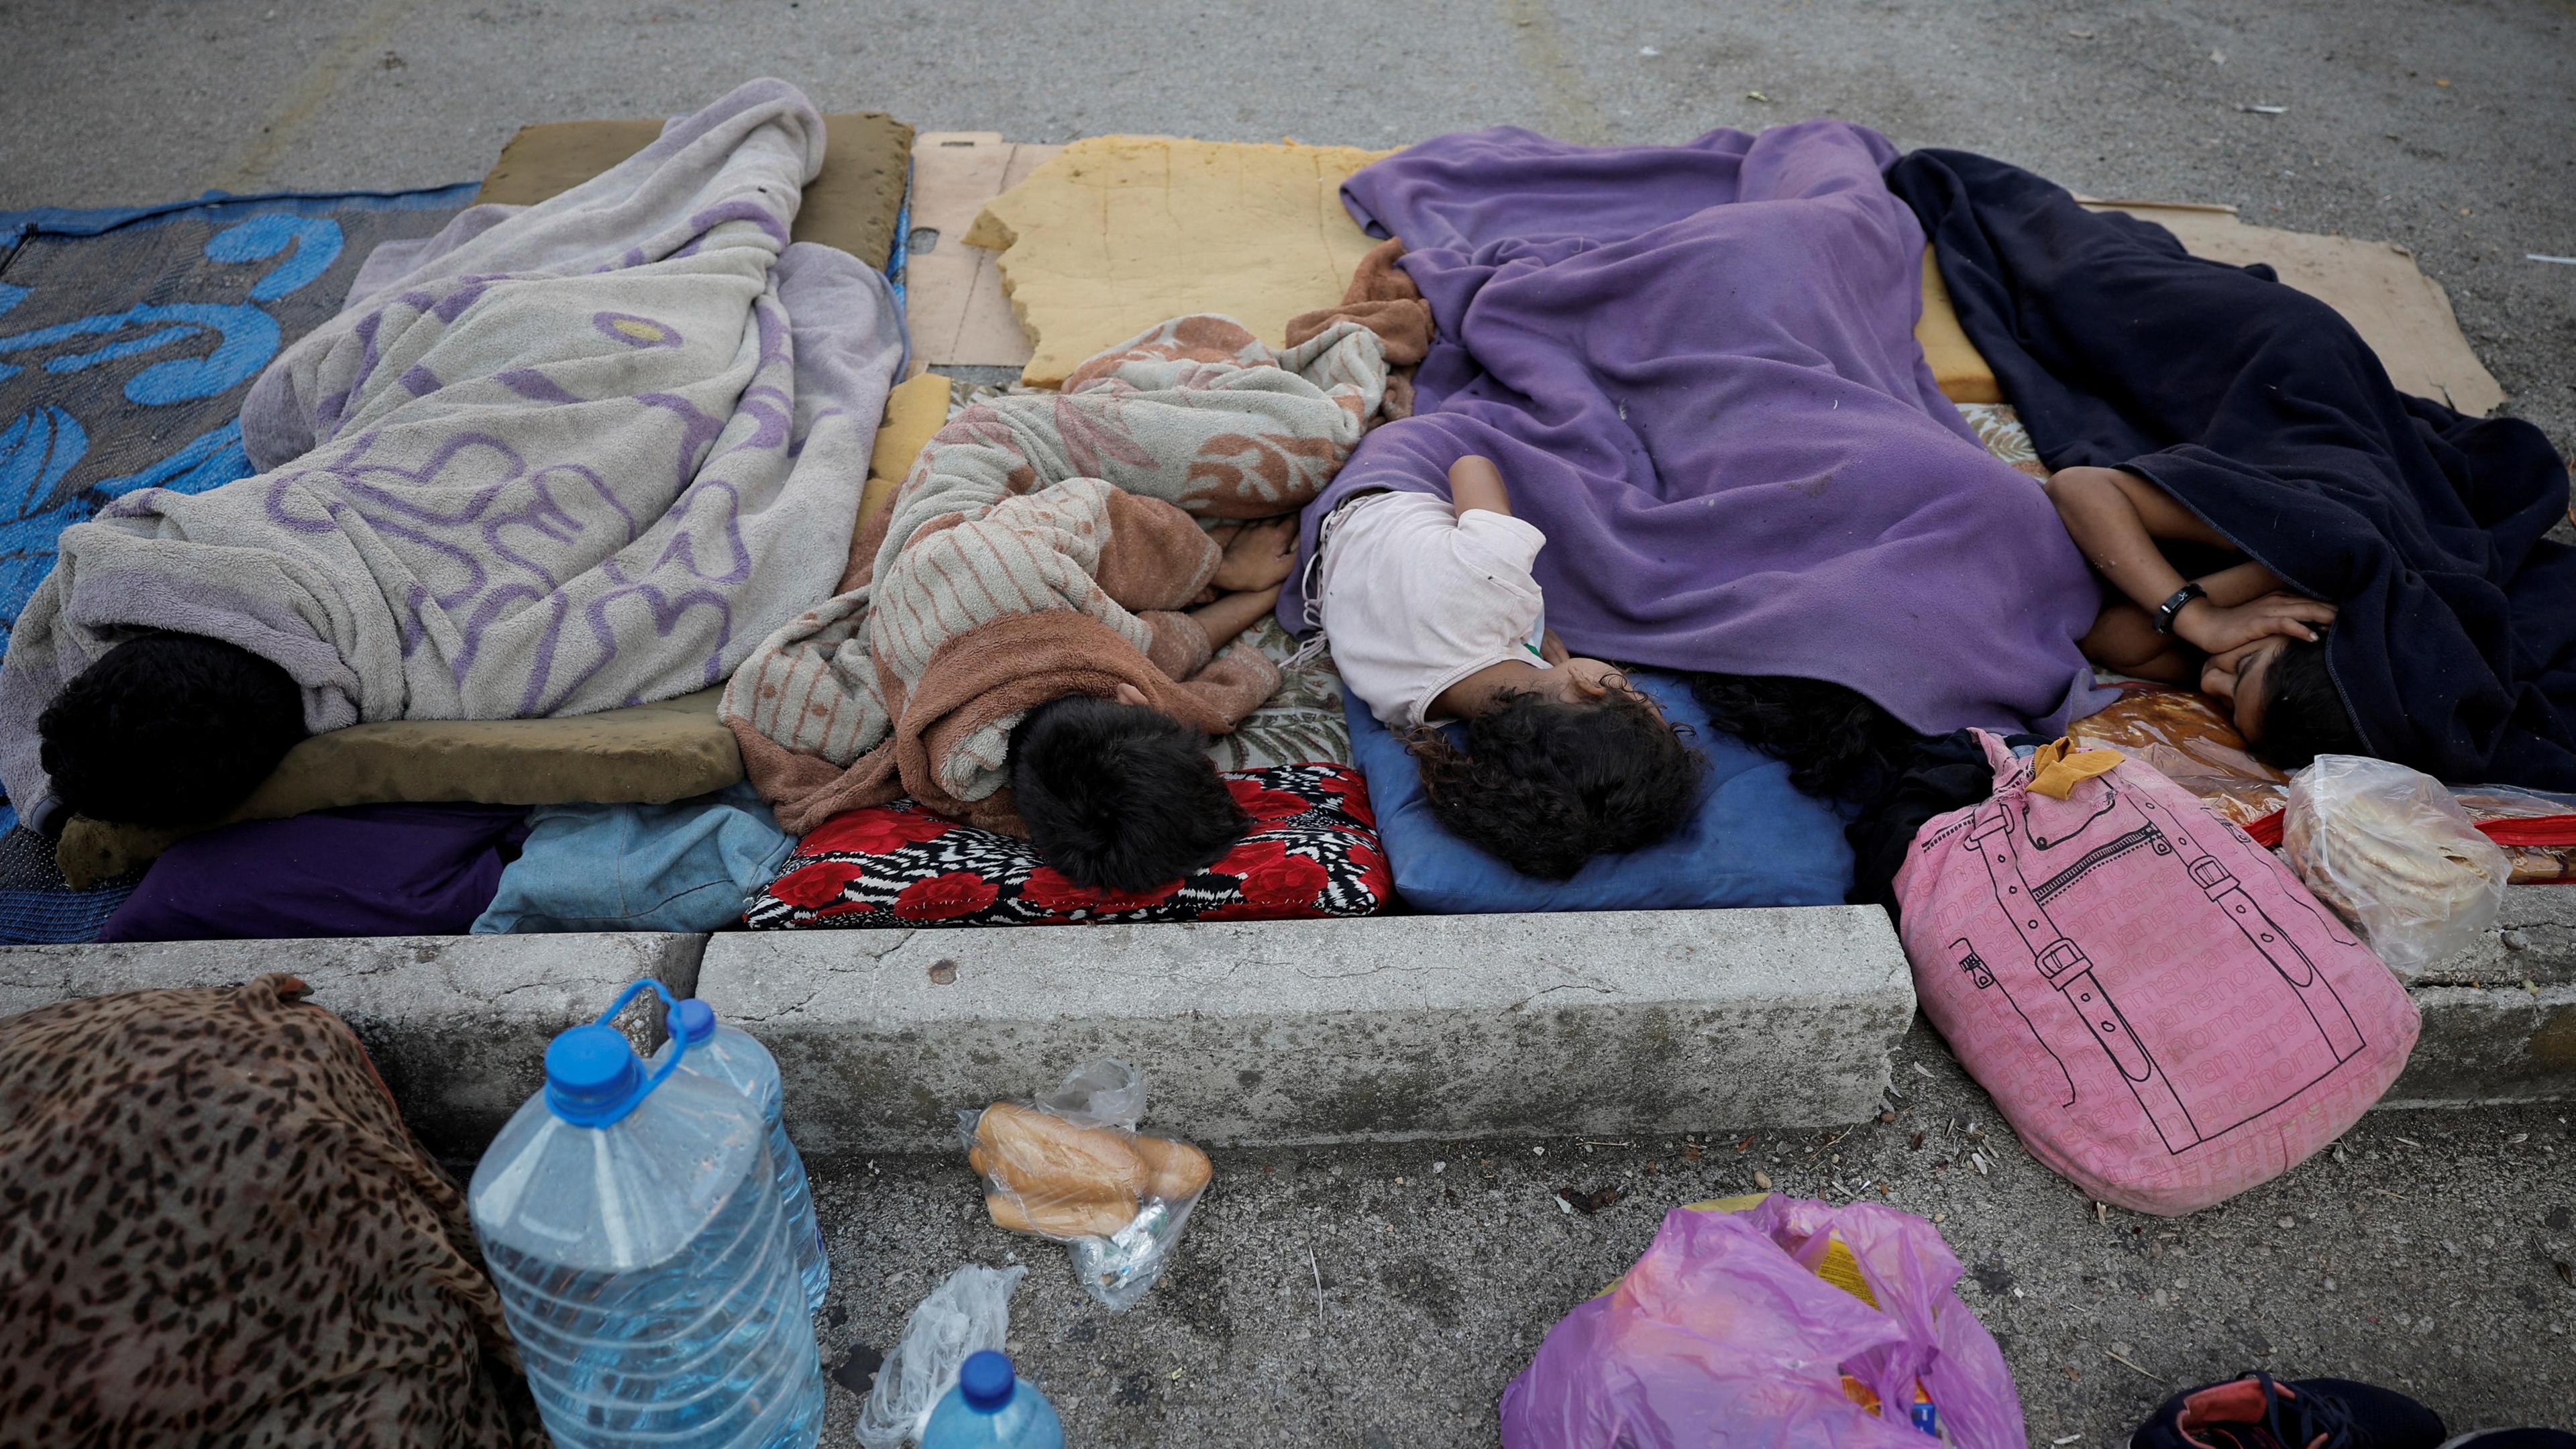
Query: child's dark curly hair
1837	742
1120	796
1546	786
168	729
2303	715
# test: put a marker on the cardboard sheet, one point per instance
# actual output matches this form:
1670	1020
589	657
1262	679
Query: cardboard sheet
953	296
1957	366
2404	315
1118	233
852	204
915	410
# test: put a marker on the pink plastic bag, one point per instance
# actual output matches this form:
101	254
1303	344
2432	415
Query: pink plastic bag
1724	1337
2162	1011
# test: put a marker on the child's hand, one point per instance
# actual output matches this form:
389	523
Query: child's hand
2216	630
1259	556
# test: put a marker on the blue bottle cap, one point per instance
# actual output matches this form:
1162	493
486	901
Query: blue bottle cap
592	1075
692	1021
986	1380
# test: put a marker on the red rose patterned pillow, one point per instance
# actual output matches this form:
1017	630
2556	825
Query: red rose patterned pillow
1313	851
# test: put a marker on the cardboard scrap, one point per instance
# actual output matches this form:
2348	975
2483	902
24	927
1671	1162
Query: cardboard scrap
1118	233
915	410
1958	368
953	296
851	203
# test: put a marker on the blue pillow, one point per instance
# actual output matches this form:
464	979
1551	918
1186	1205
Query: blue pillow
1754	841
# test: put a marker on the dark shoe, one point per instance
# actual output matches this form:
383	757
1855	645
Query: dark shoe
2260	1412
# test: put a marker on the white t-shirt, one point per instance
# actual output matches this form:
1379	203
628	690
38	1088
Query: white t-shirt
1415	598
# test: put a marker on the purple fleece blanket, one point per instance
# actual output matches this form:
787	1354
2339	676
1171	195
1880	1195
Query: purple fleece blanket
1696	367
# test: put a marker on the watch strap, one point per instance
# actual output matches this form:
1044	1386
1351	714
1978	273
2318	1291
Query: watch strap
2171	609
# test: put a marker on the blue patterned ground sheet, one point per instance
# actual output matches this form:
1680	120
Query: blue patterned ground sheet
128	338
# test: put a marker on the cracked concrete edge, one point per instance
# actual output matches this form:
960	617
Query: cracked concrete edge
1321	1032
458	1025
2533	939
2486	1045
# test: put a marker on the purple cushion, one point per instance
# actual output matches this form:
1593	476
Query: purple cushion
370	870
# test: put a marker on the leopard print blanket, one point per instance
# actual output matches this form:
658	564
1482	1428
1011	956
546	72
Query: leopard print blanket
215	1229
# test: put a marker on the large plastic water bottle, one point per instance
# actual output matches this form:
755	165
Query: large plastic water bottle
632	1225
734	1057
993	1408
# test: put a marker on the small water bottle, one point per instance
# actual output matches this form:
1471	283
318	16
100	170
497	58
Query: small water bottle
734	1057
631	1223
993	1408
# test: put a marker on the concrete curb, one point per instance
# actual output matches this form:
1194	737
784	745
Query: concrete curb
458	1025
1264	1033
2491	1044
2500	1017
1336	1031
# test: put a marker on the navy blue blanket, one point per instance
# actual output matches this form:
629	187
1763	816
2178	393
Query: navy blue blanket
2265	413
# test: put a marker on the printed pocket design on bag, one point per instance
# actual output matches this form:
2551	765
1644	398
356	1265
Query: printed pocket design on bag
2061	990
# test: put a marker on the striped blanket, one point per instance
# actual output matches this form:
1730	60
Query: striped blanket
1197	417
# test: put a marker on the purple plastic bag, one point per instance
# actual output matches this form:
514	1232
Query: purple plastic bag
1723	1335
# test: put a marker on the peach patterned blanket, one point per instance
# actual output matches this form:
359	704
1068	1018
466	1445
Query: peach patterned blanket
1197	414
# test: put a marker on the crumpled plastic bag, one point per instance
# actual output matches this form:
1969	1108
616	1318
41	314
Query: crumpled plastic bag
963	1316
1071	1167
1724	1334
2395	855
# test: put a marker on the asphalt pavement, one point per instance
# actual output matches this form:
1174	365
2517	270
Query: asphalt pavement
2443	126
1381	1298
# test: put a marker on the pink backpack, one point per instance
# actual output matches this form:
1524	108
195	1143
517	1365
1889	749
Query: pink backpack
2157	1005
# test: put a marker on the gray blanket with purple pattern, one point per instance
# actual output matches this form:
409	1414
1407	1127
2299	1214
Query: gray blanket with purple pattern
555	459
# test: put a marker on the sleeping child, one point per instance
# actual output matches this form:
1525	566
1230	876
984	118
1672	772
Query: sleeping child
1434	616
1048	665
2236	630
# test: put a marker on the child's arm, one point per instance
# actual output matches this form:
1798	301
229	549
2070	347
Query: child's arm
2124	639
2242	584
1257	555
1231	615
1476	483
2124	636
2115	518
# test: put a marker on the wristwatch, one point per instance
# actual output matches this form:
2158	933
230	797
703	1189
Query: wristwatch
2171	609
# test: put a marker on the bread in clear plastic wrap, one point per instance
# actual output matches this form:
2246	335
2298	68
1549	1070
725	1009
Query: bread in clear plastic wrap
1058	1180
2391	851
1072	1167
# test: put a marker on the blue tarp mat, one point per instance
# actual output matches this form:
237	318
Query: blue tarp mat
128	337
